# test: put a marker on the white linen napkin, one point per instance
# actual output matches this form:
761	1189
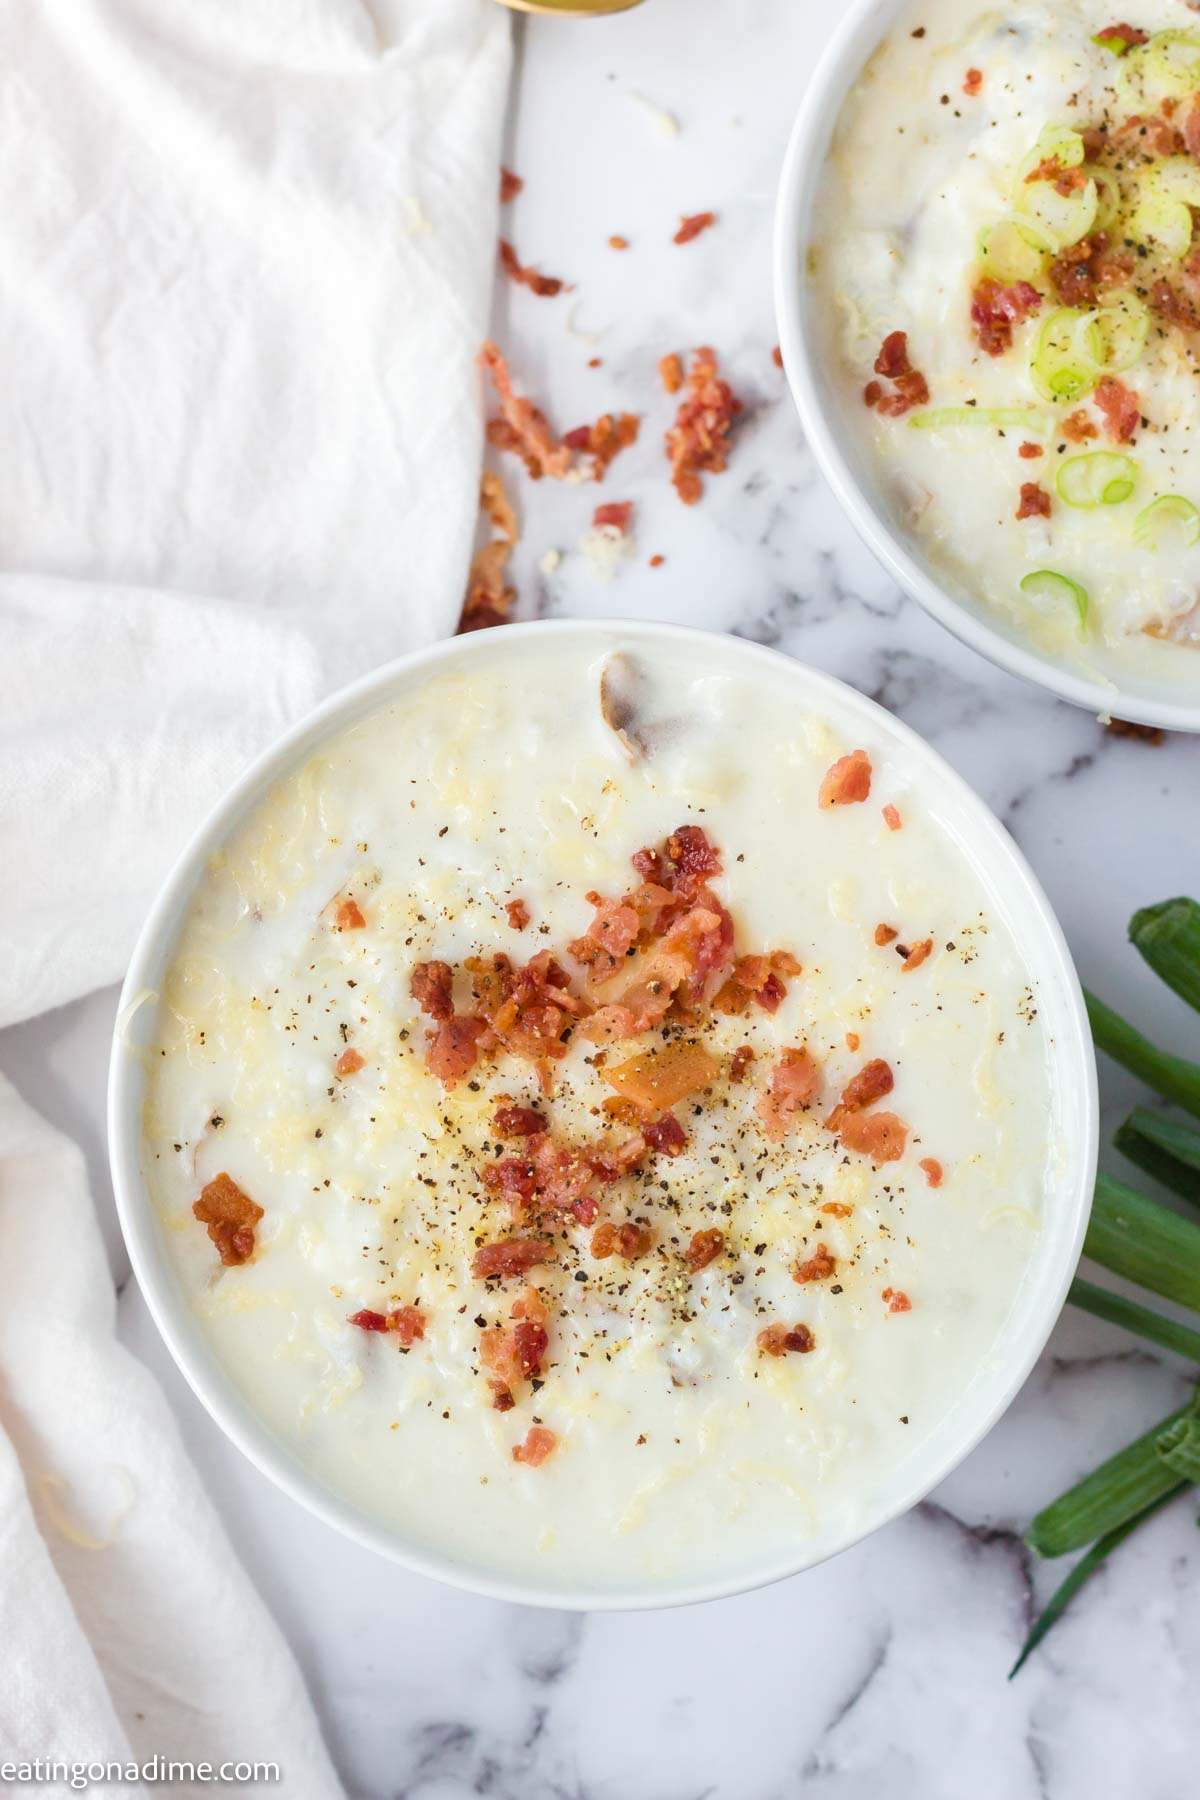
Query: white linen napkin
245	260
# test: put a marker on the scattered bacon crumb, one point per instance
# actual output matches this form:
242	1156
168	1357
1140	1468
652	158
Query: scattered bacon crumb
656	562
972	81
1121	408
892	818
819	1267
1063	178
837	1209
230	1216
852	1040
490	598
1035	502
1078	272
897	1300
538	1445
1077	428
431	986
1029	450
526	276
604	440
595	362
777	1340
349	1063
511	1256
670	369
794	1082
628	1241
739	1062
366	1320
453	1048
666	1135
704	1248
698	442
407	1322
347	916
996	309
510	186
1174	307
616	513
879	1135
517	913
1129	33
847	781
518	1121
777	357
872	1082
1145	734
933	1170
691	225
909	386
618	243
664	1074
521	426
885	933
918	954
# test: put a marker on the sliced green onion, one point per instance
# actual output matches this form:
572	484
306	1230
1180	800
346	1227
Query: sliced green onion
1167	936
1100	478
1060	219
1179	1447
1121	326
1174	1077
1164	1149
1117	1310
1108	198
1108	40
1159	223
1006	252
1172	61
1170	514
1004	418
1059	369
1111	1496
1059	590
1173	178
1056	143
1085	1568
1146	1242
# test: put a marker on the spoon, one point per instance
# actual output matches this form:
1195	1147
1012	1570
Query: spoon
571	9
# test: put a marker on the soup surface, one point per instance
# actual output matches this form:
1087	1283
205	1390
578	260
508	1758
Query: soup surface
598	1113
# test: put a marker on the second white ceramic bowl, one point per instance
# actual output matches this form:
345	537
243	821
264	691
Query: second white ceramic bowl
1168	693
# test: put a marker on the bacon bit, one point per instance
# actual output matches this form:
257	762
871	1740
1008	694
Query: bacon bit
347	916
514	1353
611	935
1145	734
230	1216
837	1209
595	362
1121	407
656	562
897	1300
614	512
1077	428
528	1010
794	1082
349	1063
892	359
756	978
933	1170
618	243
704	1248
628	1241
1081	270
1035	502
698	442
819	1267
538	1445
973	81
525	276
670	370
518	914
852	1040
666	1135
658	1077
510	186
892	817
431	986
1065	180
408	1323
605	439
847	781
1129	34
522	427
873	1081
691	225
777	1340
777	357
881	1136
1029	451
514	1178
996	309
518	1122
366	1320
1174	307
1158	138
918	954
739	1062
884	934
512	1256
490	598
1191	129
453	1048
909	385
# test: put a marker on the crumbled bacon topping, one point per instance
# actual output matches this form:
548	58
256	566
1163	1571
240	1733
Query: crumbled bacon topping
525	276
698	442
794	1082
739	1062
628	1241
756	980
490	597
670	370
406	1323
521	426
617	242
820	1266
972	81
349	1063
873	1081
847	781
666	1135
1173	306
777	357
1035	502
704	1248
892	819
884	934
1079	272
517	914
604	440
614	514
510	186
909	386
1129	34
879	1135
538	1445
431	986
918	953
898	1301
691	225
511	1256
1077	428
347	916
230	1216
1029	450
1065	178
932	1170
996	309
518	1122
453	1048
778	1340
1121	408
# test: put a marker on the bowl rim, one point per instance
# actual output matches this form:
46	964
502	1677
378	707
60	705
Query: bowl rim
802	162
168	1305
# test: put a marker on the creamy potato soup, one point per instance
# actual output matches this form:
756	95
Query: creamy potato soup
598	1113
1005	259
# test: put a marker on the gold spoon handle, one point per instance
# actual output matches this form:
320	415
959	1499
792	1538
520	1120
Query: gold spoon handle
571	9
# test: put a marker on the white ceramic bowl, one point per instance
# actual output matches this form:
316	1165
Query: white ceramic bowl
1014	891
1164	691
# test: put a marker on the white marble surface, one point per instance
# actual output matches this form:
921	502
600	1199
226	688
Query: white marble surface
881	1673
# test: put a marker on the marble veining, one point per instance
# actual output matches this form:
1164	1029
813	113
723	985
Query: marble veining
881	1673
